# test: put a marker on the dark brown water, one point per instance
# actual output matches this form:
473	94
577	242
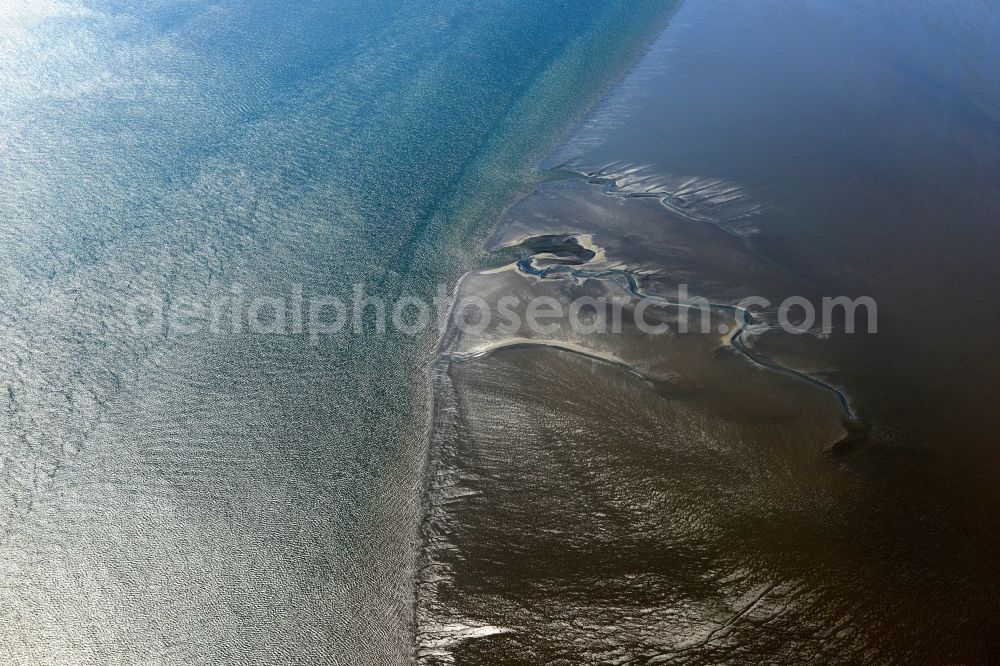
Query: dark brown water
631	499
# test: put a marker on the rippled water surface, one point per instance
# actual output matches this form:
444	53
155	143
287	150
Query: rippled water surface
239	498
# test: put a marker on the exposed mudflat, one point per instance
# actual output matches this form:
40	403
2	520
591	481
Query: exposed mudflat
737	491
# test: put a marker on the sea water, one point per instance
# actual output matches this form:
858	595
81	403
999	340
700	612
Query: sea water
169	496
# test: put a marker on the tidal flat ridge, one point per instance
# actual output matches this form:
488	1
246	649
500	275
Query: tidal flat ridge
738	493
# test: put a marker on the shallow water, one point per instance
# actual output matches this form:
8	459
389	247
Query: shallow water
244	498
634	500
